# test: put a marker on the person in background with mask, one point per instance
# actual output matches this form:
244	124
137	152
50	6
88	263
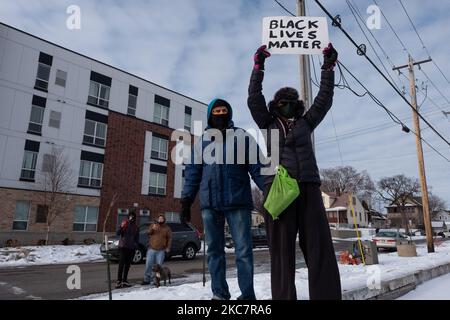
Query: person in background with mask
160	242
225	194
129	237
305	215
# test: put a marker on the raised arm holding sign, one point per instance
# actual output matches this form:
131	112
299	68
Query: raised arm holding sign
305	214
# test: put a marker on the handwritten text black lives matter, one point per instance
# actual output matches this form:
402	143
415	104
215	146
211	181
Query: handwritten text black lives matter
294	34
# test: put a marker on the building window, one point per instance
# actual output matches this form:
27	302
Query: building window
37	114
158	180
160	146
132	100
29	160
94	133
21	215
55	119
61	77
90	174
122	214
157	183
29	165
85	219
172	216
187	118
43	71
41	213
161	115
98	94
36	118
99	89
161	112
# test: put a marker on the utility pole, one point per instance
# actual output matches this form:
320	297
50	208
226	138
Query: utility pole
423	180
305	68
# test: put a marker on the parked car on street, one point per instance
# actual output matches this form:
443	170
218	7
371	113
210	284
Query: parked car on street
444	234
185	242
259	238
388	239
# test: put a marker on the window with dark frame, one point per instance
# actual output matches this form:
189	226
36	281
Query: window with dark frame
29	161
95	129
187	118
99	90
85	219
36	115
158	180
43	71
21	215
160	147
132	100
161	110
91	170
41	213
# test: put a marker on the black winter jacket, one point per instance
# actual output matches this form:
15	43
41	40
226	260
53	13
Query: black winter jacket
296	149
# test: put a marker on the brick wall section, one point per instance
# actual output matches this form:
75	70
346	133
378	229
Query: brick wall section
122	173
63	222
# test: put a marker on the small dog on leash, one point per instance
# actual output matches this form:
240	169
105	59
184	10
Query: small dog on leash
161	273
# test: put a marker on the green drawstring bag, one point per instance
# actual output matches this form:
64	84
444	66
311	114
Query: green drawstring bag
283	191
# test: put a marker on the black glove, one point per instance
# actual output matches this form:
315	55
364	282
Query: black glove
330	56
186	204
260	57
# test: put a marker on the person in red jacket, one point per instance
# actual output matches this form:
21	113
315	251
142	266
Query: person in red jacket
129	237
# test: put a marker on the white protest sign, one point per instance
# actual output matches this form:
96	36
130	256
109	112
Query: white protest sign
295	35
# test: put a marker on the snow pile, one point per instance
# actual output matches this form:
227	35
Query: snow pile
41	255
352	277
435	289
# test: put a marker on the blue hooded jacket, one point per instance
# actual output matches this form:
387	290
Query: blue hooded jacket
223	186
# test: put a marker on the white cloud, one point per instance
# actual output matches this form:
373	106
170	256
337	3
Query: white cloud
204	49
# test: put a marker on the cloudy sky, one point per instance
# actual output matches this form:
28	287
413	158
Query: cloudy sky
203	48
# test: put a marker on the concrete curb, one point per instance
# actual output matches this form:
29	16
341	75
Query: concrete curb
395	288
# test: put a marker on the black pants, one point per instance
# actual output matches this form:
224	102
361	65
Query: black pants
126	256
306	216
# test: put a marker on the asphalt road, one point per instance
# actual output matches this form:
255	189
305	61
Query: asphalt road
49	282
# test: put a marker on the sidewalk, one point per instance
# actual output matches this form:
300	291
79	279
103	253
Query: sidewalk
392	277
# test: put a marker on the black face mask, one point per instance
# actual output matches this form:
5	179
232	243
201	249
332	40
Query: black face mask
160	222
219	122
288	109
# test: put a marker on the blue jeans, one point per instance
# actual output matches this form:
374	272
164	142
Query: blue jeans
153	257
239	222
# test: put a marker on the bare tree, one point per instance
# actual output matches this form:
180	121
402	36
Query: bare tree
436	204
397	190
56	181
347	179
114	199
258	200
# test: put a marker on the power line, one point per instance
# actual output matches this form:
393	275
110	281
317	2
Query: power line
392	28
356	16
421	41
379	71
434	85
284	8
393	116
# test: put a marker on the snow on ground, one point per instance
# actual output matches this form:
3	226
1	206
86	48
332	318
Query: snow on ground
391	266
40	255
435	289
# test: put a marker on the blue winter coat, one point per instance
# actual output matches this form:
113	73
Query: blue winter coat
222	186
